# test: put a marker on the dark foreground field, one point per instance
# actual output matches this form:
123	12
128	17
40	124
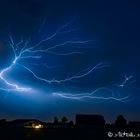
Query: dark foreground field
55	134
51	134
86	127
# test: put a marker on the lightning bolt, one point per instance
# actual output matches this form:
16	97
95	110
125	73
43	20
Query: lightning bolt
77	76
92	96
22	50
12	85
26	50
128	80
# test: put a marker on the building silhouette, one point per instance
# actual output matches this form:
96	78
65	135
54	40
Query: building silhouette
89	121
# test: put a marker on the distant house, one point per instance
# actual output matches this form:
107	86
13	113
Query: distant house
2	122
89	121
26	123
33	124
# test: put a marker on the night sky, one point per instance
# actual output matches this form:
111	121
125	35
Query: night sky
103	32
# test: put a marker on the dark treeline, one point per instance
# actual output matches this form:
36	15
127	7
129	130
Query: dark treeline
85	127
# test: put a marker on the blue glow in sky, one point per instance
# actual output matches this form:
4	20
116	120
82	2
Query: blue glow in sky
68	57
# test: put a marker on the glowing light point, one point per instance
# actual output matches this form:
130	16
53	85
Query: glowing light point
38	126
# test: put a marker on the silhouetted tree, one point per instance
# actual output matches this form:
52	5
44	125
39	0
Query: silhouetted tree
120	121
55	120
64	120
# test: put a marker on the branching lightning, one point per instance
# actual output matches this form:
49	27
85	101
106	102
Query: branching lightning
92	95
23	50
128	80
77	76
